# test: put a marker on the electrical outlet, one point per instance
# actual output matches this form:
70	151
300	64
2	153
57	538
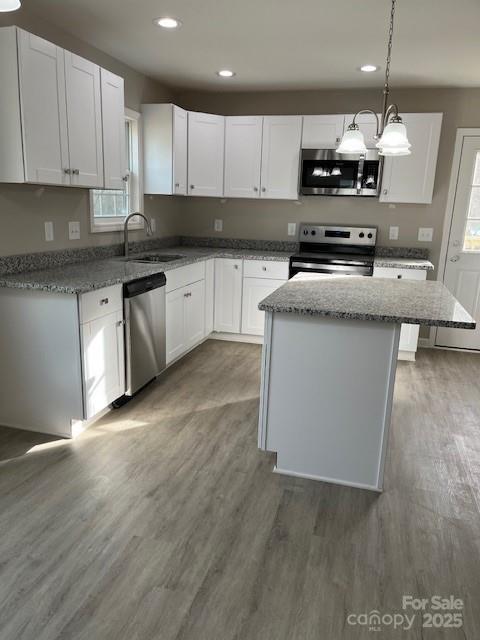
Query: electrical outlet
49	231
218	225
153	224
425	234
74	230
393	235
292	228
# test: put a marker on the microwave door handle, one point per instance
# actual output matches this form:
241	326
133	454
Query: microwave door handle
361	164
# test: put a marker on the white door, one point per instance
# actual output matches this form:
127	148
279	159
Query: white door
44	115
104	361
243	156
113	125
206	141
322	132
194	313
175	324
209	295
411	178
462	271
228	295
255	290
84	117
180	127
282	137
367	125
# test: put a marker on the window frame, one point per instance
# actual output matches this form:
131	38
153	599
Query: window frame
105	225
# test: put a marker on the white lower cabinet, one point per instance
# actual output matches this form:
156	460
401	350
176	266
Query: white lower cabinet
408	344
185	319
255	290
103	361
228	295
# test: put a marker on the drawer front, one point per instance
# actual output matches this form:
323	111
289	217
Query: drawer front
183	276
399	274
265	269
101	302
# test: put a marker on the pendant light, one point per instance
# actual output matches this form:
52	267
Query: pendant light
9	5
391	132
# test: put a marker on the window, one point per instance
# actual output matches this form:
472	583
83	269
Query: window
108	207
471	241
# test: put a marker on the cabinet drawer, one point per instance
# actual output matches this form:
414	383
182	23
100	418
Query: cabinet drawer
182	276
399	274
265	269
101	302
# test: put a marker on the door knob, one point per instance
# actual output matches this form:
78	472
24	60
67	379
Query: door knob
454	258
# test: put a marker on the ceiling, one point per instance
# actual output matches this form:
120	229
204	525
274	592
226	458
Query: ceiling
281	44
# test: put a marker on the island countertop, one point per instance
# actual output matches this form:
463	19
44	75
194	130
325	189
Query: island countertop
379	299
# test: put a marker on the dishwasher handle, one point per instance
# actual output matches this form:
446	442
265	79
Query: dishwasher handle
142	285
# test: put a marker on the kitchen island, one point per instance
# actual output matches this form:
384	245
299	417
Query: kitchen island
328	370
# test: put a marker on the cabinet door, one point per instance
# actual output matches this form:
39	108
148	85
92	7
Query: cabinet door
113	126
206	139
367	125
104	362
84	118
180	125
209	295
255	290
411	178
194	313
322	132
44	116
175	324
243	156
228	295
281	156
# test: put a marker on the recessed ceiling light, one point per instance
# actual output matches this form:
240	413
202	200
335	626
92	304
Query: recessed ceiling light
369	68
168	22
225	73
9	5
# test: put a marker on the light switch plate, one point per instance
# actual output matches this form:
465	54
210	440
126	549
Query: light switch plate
393	235
292	228
74	230
218	225
49	231
425	234
153	224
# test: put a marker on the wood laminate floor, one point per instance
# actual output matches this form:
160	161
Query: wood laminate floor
164	521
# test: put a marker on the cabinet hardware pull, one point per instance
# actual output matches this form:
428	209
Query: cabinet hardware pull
177	184
264	189
125	178
192	186
454	258
120	323
399	276
235	266
385	191
104	301
255	189
67	172
76	172
337	139
264	268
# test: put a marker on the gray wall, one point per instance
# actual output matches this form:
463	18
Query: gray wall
268	219
25	208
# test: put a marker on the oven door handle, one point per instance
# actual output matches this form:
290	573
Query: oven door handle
316	266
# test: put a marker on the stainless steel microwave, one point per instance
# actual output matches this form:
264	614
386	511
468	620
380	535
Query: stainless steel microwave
324	172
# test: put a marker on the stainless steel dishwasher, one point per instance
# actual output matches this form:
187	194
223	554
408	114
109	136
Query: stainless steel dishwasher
144	306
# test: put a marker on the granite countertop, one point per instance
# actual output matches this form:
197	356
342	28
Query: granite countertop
81	277
379	299
402	263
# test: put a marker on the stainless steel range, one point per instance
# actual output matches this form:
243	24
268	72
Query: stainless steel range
335	250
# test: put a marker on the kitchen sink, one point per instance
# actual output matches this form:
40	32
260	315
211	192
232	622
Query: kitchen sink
162	257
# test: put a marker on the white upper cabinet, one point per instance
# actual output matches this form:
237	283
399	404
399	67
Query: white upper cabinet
322	132
113	125
282	136
206	141
367	125
84	117
165	149
243	156
43	108
411	178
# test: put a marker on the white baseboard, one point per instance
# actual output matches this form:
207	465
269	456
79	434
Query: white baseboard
236	337
308	476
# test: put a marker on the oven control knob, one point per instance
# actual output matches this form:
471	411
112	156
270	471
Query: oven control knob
305	232
361	234
314	233
370	235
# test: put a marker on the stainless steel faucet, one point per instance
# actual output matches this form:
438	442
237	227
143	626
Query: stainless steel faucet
125	229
